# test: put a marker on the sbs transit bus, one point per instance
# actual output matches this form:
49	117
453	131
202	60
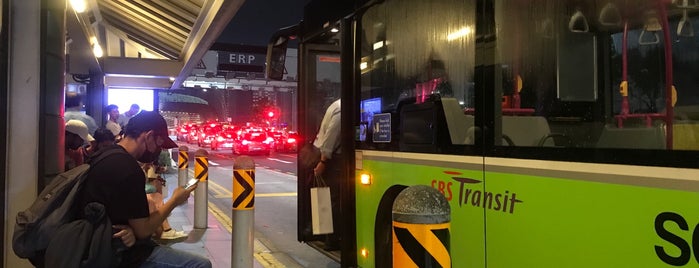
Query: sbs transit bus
562	133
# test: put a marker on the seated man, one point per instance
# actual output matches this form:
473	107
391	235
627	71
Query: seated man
156	192
118	184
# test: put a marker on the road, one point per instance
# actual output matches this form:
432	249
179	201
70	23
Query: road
275	203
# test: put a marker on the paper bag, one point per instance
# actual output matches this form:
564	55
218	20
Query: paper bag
321	210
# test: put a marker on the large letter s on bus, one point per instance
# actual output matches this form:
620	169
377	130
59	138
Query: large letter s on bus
672	238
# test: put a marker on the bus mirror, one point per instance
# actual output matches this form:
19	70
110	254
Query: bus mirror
276	51
276	57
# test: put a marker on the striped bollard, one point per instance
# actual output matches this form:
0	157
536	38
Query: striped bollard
182	166
243	212
421	222
201	172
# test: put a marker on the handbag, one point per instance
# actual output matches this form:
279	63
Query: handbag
321	207
309	156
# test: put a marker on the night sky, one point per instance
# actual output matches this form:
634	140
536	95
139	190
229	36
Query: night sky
257	20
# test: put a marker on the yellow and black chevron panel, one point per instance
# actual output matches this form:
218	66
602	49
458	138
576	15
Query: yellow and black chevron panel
421	245
243	189
201	168
183	160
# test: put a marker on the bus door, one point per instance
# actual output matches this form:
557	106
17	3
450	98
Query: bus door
320	86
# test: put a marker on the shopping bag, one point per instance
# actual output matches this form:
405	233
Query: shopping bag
321	208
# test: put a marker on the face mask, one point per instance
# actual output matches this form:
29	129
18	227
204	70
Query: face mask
148	156
150	188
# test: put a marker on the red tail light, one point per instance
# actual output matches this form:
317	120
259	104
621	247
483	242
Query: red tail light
291	140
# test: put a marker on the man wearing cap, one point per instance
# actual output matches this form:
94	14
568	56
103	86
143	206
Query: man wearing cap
76	136
117	183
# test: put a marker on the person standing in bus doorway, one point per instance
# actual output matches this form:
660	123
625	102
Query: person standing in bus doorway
327	141
124	118
112	124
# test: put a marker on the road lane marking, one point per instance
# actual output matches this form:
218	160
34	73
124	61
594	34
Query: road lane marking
279	160
219	191
222	192
275	194
262	253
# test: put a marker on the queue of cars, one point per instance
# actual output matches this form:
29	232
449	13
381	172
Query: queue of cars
240	140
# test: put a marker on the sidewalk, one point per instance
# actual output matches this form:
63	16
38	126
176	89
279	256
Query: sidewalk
213	242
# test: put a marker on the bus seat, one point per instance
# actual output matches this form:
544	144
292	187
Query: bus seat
423	128
685	135
457	122
632	137
527	130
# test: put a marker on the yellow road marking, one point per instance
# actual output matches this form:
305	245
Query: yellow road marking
221	217
222	192
276	194
261	254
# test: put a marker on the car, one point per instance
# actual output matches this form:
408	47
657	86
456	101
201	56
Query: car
193	134
227	138
253	143
277	137
289	143
209	136
183	132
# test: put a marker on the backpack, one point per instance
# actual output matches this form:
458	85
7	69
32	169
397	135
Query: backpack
53	208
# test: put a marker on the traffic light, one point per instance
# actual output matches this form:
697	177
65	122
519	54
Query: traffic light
270	114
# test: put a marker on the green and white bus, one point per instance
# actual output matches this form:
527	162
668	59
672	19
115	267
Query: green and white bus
562	133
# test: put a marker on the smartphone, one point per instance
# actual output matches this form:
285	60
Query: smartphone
191	183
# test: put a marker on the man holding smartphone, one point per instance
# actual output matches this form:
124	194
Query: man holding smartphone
117	183
191	183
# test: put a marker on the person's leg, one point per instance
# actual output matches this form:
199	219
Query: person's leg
165	257
332	176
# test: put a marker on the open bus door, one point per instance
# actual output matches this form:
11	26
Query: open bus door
319	76
319	83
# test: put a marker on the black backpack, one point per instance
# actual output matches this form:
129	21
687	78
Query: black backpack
53	208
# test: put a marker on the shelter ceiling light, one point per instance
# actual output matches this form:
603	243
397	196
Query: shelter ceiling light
78	5
97	50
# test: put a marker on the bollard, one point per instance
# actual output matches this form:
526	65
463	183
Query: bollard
201	172
182	166
243	212
421	222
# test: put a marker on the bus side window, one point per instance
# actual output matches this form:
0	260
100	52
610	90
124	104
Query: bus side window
422	128
528	131
458	122
632	137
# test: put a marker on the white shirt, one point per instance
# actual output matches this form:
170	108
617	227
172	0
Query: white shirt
123	119
328	138
113	127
